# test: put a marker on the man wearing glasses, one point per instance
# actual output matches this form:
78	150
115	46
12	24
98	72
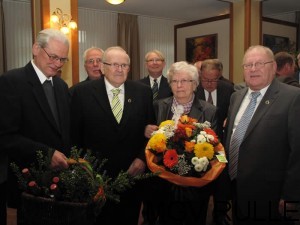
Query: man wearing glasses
155	63
92	63
108	116
35	112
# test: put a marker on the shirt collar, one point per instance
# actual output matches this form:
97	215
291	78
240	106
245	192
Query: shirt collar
42	77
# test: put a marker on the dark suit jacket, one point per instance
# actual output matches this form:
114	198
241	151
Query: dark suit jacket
224	91
26	121
164	90
268	164
95	127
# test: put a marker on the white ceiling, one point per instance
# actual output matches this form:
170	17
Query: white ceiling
186	10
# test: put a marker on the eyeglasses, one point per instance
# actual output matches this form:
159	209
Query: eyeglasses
56	58
182	82
257	65
155	60
117	66
92	61
203	80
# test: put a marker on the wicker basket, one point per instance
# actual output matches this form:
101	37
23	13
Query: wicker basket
44	211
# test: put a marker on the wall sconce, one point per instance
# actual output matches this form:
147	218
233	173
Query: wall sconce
115	2
63	21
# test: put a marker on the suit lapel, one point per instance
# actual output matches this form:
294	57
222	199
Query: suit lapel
100	94
39	94
268	99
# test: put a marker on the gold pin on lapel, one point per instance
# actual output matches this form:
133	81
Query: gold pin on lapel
267	102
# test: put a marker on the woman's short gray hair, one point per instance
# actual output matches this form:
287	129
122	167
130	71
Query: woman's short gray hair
183	66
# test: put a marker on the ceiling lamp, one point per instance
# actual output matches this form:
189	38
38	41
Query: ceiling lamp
63	21
115	2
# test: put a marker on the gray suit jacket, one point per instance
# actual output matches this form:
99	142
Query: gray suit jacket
268	164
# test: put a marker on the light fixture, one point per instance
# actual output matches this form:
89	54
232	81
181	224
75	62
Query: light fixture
115	2
63	21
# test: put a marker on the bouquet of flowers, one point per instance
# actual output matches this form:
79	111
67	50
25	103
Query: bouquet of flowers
84	181
185	152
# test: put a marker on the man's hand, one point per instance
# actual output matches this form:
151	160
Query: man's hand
59	161
137	167
149	129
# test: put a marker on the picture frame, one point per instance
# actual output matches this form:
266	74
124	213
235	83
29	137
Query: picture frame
276	43
202	47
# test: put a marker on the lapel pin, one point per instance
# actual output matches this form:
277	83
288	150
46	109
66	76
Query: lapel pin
129	100
267	102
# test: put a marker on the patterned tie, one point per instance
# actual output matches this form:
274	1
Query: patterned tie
209	99
155	89
116	105
238	135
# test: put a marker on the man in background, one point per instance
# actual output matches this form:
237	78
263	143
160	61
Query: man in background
92	63
155	63
286	68
35	112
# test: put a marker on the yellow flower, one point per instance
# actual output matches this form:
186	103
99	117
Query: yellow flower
158	142
204	150
167	122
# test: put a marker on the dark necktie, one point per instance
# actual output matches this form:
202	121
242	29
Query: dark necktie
155	89
209	99
48	88
238	135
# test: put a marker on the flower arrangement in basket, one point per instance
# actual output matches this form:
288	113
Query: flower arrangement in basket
84	181
185	152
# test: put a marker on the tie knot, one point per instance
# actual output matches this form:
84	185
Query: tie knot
47	82
255	94
155	80
116	91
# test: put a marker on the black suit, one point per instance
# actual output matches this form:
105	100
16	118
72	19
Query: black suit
268	163
26	121
164	90
224	91
95	127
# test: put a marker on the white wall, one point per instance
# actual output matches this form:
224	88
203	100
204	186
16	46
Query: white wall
99	28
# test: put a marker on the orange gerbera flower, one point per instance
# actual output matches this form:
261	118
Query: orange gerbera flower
170	158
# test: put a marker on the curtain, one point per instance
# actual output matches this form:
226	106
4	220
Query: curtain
128	38
2	40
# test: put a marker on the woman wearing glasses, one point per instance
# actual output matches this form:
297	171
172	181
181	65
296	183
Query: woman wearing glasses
175	204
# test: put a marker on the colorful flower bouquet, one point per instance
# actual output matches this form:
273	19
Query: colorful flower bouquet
185	152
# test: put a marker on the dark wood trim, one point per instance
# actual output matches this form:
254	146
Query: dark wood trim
45	14
231	41
247	29
271	20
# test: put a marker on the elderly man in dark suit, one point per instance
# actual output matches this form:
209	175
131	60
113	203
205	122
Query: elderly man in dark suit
262	140
29	120
109	116
155	63
214	90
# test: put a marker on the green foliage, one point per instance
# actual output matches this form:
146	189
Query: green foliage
83	181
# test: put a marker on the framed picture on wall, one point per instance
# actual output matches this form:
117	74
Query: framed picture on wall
201	47
276	43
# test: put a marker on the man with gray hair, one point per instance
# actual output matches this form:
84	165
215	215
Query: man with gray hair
35	116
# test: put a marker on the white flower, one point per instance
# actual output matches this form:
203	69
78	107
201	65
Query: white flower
195	160
200	163
201	138
198	167
204	162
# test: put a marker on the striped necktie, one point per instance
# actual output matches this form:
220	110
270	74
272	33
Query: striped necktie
116	105
155	89
238	135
